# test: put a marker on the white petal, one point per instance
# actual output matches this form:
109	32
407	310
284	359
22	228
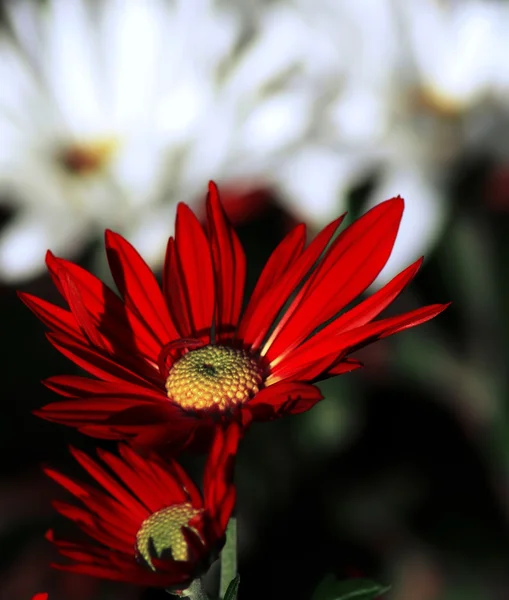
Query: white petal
23	243
207	150
150	233
71	63
276	47
276	123
134	36
138	169
423	217
21	85
177	116
315	182
457	64
368	36
24	18
360	116
33	181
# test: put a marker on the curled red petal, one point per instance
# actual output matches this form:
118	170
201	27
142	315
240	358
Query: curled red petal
286	397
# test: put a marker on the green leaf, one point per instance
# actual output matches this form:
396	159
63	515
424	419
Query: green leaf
353	589
231	592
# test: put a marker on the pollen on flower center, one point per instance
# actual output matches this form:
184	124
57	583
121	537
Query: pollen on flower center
213	377
87	157
162	532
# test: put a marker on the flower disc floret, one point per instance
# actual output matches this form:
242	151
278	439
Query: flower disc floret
214	377
162	532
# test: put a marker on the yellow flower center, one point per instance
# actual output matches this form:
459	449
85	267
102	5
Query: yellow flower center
87	157
213	377
431	100
162	533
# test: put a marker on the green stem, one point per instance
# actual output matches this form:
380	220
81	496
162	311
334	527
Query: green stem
194	592
228	557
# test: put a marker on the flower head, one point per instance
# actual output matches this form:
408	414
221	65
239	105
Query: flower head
167	365
152	524
116	109
400	112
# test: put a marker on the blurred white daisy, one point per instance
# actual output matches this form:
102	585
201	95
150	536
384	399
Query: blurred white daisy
117	110
445	88
413	89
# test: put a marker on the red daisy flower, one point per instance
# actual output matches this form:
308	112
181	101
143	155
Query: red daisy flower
169	364
153	525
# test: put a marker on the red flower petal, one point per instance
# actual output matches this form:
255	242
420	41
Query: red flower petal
333	348
229	263
286	397
101	513
107	533
219	468
175	292
345	366
101	562
141	485
74	297
193	252
257	320
139	288
96	363
117	491
361	314
118	327
283	257
351	264
54	317
164	487
75	386
150	425
371	307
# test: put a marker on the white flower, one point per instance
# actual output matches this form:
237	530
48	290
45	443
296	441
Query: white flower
350	51
444	93
117	110
414	90
80	123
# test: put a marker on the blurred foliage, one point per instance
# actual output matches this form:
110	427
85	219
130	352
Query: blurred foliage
355	589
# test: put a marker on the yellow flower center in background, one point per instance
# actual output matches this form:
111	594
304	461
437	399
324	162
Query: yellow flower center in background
431	100
213	377
162	532
87	158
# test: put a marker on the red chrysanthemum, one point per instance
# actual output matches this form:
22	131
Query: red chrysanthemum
169	364
153	525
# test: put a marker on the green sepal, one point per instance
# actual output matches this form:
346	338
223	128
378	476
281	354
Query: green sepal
352	589
231	591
